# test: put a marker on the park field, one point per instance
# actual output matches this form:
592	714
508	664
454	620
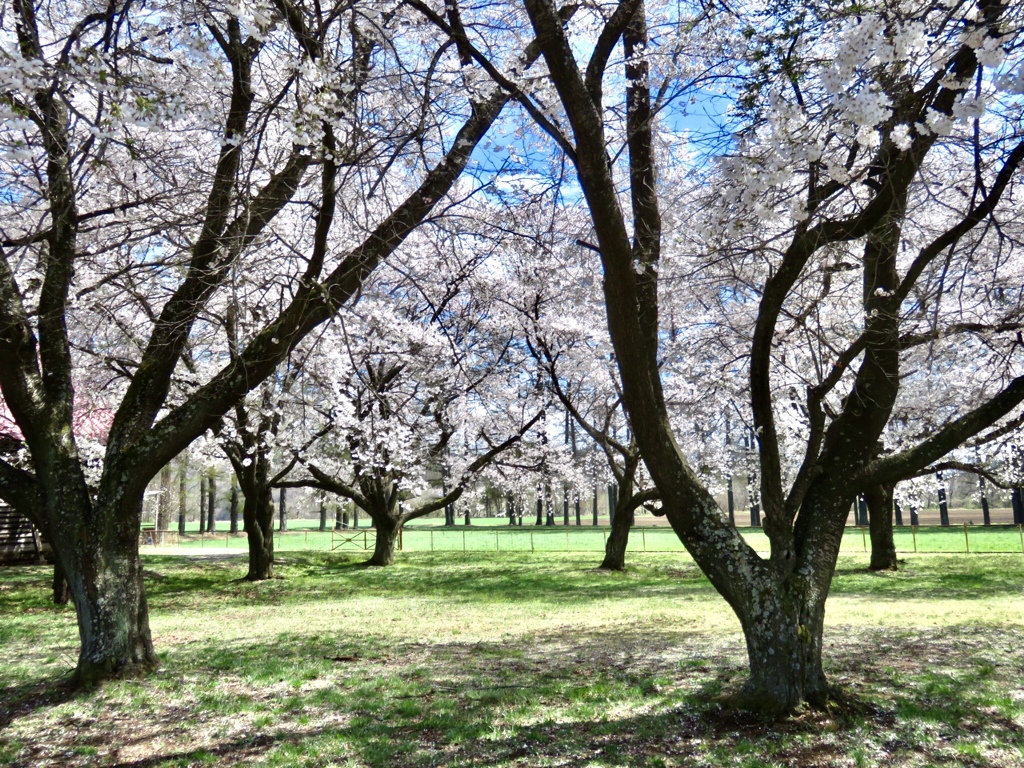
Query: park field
514	659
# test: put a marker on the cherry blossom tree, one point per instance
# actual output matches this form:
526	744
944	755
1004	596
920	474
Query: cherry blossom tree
413	384
147	153
884	139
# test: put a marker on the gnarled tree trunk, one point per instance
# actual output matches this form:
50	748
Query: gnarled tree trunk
784	641
98	552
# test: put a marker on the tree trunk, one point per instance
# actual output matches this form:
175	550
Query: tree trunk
202	503
879	504
784	651
259	531
61	592
943	504
257	514
387	535
282	501
323	515
986	516
211	506
182	499
730	499
618	539
98	553
233	508
163	507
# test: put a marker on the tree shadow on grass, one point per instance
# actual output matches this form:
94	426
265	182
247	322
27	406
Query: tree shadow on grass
594	698
17	701
938	577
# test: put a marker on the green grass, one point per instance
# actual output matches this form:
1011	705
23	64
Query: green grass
514	659
503	538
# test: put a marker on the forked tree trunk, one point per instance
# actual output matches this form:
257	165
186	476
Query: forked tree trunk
781	607
880	512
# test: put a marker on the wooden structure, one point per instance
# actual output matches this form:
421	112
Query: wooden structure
20	542
360	538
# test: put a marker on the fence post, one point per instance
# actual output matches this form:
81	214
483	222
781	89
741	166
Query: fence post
531	541
643	537
913	532
967	539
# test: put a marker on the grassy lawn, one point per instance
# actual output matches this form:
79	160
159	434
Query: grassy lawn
514	659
